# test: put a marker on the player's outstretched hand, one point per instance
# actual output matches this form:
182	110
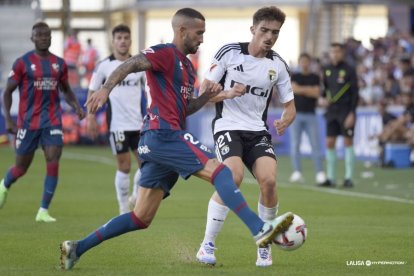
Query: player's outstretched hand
96	100
237	90
81	114
280	126
210	88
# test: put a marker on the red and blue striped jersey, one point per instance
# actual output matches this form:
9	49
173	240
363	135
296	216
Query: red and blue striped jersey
170	84
38	79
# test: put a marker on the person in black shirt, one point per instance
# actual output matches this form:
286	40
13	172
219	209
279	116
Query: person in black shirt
341	96
306	86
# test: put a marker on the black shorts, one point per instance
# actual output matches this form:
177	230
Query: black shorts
123	141
248	145
335	125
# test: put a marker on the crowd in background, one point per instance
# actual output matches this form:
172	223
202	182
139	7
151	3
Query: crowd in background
385	73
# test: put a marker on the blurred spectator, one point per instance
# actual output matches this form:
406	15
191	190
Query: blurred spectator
306	86
71	54
396	130
89	58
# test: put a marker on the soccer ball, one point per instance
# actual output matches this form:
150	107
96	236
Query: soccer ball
294	237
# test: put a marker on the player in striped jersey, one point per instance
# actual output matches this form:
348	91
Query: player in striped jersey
166	149
240	129
39	75
124	114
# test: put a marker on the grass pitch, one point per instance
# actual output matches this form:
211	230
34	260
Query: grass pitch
346	228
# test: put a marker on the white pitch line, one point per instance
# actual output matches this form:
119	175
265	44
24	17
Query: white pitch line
110	161
88	157
340	192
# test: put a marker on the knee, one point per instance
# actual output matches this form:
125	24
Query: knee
124	166
142	222
238	178
268	187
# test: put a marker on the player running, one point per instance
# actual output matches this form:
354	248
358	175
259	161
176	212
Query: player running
240	129
165	148
40	75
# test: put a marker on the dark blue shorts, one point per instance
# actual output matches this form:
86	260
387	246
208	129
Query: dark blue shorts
166	154
28	140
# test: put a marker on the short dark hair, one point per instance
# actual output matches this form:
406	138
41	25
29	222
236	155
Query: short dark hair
191	13
269	13
337	44
121	28
305	55
40	25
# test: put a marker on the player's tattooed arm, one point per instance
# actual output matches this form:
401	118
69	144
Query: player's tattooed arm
208	90
196	103
134	64
237	90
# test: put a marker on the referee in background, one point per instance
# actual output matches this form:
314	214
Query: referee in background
340	95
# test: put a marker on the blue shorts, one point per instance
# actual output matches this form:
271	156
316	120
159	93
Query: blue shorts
166	154
28	140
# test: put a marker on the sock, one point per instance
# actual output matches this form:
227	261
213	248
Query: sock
267	214
12	175
349	162
117	226
137	178
122	188
331	164
216	214
50	183
233	198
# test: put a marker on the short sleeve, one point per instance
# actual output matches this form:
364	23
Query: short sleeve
17	72
159	57
98	78
217	68
284	85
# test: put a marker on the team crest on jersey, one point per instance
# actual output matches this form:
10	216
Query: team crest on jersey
33	67
272	75
55	67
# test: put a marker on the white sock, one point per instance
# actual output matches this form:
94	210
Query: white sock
216	214
122	188
137	177
267	214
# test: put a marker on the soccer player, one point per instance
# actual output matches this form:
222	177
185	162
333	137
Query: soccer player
306	86
341	96
240	129
40	75
123	113
165	148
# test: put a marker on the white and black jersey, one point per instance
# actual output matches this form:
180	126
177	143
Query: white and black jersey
261	76
124	109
